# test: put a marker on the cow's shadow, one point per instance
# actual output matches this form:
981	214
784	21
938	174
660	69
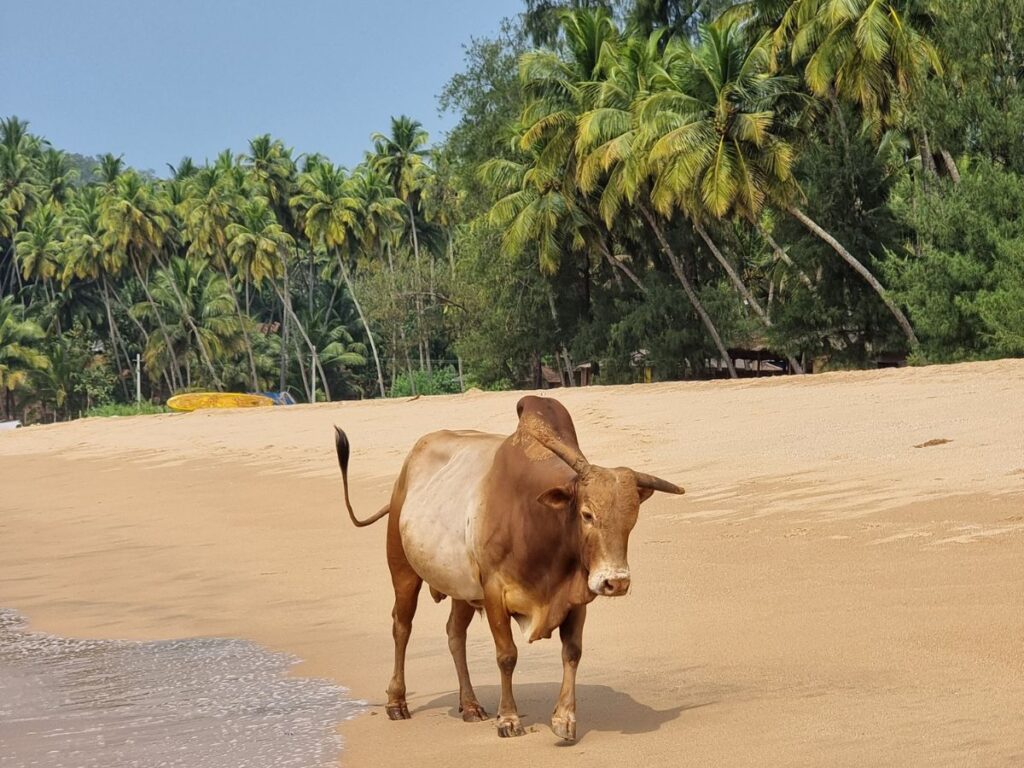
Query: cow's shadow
598	707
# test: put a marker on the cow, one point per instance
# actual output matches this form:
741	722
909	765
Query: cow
519	527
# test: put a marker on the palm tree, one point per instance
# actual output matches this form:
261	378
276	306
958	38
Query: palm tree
207	298
39	245
612	153
86	258
209	207
272	170
20	352
401	158
331	220
109	169
869	52
715	147
135	225
716	139
57	178
185	169
19	191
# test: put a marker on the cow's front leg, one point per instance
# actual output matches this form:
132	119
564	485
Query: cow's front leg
563	720
501	629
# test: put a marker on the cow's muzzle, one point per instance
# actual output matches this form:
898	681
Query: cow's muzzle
609	583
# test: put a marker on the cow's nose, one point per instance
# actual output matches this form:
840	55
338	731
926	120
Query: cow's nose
615	587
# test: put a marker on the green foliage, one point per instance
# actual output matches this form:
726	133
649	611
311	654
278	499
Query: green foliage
125	409
966	285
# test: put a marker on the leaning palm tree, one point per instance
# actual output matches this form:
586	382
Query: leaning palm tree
713	144
724	148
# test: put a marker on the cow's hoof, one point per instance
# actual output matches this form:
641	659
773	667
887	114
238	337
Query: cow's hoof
564	727
398	711
473	713
509	726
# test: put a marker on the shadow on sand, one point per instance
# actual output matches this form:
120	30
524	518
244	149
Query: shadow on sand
598	707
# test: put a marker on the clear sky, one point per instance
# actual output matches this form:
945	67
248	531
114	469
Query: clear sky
159	79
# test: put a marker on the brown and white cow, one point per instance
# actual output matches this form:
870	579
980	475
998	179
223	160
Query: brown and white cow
521	527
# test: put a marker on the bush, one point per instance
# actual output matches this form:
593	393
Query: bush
442	381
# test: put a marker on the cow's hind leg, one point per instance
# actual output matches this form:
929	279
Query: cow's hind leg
458	623
407	589
563	720
501	629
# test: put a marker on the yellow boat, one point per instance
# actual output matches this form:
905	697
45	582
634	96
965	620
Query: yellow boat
193	401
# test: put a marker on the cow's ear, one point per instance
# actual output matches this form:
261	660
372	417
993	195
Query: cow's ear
559	497
645	493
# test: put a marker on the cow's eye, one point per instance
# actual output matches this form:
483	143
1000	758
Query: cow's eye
588	518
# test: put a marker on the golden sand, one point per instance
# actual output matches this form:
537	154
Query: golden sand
842	584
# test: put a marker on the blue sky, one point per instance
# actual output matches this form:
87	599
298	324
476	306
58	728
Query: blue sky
159	79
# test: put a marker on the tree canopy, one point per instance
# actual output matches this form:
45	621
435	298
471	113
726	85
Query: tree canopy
636	184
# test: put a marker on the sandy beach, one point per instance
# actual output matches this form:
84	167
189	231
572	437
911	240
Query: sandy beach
842	584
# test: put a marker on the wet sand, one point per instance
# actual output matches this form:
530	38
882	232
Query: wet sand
826	593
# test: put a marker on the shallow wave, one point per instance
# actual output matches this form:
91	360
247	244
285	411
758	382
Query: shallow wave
194	703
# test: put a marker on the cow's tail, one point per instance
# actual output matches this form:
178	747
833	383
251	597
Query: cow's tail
341	443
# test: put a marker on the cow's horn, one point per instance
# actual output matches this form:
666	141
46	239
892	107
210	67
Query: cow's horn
542	433
656	483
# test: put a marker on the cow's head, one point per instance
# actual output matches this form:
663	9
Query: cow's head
605	502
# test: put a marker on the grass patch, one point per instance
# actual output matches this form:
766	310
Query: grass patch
125	409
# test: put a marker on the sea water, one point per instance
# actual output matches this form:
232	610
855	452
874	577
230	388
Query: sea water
193	703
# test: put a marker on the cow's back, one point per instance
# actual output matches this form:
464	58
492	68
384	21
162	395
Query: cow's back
440	498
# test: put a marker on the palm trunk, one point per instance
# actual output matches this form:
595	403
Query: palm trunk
954	172
677	267
112	331
285	300
561	342
284	346
362	319
925	150
863	271
408	364
451	266
176	370
419	299
740	285
302	370
242	321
